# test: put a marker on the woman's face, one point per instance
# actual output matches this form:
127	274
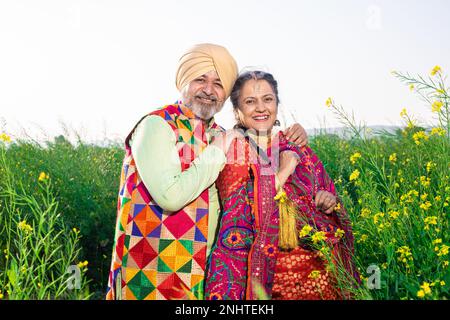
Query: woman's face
257	105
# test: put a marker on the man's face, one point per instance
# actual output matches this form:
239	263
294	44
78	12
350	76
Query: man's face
205	95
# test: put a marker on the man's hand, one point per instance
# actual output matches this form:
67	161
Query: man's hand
296	134
325	201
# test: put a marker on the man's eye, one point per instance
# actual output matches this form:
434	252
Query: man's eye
269	99
249	102
200	80
219	84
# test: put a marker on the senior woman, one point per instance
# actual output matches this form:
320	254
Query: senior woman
258	251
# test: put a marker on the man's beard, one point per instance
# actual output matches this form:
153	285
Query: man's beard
204	111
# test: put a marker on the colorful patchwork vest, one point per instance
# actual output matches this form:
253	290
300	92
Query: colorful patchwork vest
158	254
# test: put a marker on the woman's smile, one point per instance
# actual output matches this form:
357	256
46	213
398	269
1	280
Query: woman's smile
261	118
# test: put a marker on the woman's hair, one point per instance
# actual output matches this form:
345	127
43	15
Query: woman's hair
249	75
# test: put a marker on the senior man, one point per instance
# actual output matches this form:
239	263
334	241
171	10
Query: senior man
168	205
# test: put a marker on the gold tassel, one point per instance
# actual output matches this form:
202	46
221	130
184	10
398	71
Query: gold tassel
288	237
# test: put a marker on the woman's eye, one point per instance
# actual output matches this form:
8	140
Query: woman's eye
268	99
249	102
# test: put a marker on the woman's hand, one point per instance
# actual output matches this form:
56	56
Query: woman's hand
325	201
288	162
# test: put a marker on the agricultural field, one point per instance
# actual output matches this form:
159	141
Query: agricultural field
58	205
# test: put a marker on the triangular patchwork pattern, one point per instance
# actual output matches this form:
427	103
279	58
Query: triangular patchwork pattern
157	252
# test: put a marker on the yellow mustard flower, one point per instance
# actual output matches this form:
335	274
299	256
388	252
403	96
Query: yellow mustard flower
411	87
443	251
43	176
318	236
339	233
420	293
405	254
432	220
411	124
82	264
363	238
354	175
329	102
437	69
424	181
403	113
419	136
305	231
430	165
281	197
393	214
5	138
426	288
436	106
337	208
393	157
365	212
438	131
425	206
24	226
354	157
377	216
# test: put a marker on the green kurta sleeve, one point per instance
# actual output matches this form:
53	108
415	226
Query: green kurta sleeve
153	145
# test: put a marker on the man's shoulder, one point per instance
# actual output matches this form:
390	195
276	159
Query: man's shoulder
156	120
165	110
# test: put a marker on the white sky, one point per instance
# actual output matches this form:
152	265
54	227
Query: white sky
99	66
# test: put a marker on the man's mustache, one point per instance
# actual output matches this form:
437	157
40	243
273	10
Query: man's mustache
204	96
